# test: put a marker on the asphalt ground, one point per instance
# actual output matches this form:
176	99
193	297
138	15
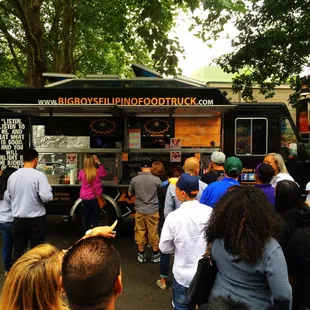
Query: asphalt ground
139	280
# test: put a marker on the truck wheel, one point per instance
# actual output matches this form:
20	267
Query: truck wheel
107	215
76	222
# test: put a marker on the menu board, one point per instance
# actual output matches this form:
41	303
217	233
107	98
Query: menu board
134	138
13	140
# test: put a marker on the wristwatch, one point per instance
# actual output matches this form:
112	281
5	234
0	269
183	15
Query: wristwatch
89	232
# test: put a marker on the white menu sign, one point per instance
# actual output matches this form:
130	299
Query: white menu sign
13	138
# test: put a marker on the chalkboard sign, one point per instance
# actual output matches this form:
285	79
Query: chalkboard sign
14	138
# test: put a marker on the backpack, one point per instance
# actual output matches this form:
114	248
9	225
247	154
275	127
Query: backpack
161	193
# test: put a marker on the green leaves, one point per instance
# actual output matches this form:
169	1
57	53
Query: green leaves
273	44
102	36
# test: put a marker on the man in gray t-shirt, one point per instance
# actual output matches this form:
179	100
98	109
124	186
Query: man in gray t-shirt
28	190
144	186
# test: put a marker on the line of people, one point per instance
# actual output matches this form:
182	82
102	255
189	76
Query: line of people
272	214
258	236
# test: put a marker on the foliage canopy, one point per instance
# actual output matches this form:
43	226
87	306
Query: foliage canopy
273	45
98	36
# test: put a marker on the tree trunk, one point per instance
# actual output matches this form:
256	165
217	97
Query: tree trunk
66	64
36	59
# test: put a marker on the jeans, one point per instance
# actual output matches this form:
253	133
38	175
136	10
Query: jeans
7	247
161	220
179	296
91	213
25	230
164	265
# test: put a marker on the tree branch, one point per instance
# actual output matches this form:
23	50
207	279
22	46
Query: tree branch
55	23
17	65
7	10
10	38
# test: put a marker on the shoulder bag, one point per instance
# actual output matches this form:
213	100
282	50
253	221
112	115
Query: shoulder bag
202	283
101	201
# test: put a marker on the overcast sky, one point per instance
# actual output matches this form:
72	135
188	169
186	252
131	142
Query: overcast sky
198	54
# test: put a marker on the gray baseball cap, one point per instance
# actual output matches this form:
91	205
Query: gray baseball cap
218	157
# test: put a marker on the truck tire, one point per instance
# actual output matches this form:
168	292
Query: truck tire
76	221
107	215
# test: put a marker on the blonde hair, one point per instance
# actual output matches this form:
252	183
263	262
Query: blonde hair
158	169
191	166
90	169
279	161
33	281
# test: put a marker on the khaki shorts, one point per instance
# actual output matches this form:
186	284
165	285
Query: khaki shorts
146	229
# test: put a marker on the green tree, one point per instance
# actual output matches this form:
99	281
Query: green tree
98	36
9	77
273	45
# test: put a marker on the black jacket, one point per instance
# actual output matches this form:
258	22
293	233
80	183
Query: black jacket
294	219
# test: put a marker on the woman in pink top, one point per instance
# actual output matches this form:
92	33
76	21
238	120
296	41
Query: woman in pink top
91	188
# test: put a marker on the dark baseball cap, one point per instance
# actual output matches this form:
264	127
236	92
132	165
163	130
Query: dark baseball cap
233	164
146	164
188	183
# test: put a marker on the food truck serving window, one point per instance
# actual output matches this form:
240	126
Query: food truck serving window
251	136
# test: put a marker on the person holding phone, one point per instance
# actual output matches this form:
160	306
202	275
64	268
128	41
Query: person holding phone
91	188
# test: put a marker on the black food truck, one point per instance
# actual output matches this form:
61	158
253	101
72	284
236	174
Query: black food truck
125	121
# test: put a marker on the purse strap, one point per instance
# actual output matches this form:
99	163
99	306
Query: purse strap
208	250
92	188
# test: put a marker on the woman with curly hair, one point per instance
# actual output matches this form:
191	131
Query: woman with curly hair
293	210
251	266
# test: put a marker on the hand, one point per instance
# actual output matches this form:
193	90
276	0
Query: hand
105	231
96	159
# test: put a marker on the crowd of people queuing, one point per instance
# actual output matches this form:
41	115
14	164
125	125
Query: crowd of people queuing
258	237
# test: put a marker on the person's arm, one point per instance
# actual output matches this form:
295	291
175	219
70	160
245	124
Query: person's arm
101	171
277	277
131	189
103	231
7	193
169	201
166	244
45	190
80	175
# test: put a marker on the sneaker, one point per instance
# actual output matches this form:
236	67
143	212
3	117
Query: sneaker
161	285
155	258
141	258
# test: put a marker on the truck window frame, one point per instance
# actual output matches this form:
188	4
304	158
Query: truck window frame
251	148
290	151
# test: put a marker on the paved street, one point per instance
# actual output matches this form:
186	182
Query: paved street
140	289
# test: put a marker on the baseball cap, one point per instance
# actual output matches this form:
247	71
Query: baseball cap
146	164
233	164
308	186
188	183
218	157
